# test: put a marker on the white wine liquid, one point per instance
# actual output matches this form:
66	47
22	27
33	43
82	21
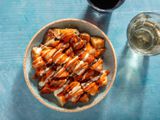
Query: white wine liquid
144	36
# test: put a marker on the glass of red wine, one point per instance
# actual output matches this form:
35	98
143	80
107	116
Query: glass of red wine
105	5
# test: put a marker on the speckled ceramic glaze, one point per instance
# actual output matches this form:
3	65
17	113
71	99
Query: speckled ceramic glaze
109	57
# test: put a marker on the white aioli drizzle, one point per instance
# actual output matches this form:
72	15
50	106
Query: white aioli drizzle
66	59
72	60
86	56
78	65
81	71
59	58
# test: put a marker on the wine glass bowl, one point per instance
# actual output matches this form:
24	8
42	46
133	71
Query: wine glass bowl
144	33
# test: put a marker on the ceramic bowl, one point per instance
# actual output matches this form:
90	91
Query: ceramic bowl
110	62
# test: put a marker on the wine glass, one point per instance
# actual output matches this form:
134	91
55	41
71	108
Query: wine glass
144	33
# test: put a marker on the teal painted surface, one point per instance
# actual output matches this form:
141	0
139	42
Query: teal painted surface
135	94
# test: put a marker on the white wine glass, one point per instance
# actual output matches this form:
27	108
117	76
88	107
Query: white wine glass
144	33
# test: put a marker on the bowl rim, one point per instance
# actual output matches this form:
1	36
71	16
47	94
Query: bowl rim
43	101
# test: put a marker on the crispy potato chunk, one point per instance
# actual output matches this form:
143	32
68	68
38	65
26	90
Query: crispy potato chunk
69	30
66	37
102	80
52	43
61	99
79	45
46	89
98	66
75	96
49	36
90	49
97	42
91	89
47	54
38	62
88	74
99	52
84	98
58	83
69	88
57	33
70	52
85	36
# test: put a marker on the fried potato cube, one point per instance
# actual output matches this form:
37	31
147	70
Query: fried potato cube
97	42
103	80
52	43
75	97
60	73
86	57
98	66
46	89
38	62
88	74
69	30
58	83
80	66
56	33
49	36
71	92
63	74
99	52
71	62
85	36
77	77
68	33
47	54
61	99
36	51
70	87
90	49
84	98
79	45
69	52
39	72
66	37
91	89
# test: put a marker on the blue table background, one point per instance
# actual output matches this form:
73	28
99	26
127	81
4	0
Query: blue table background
135	94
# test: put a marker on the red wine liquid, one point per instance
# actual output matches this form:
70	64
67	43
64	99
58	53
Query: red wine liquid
103	4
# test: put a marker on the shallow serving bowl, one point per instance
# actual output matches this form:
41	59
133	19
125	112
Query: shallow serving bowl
109	57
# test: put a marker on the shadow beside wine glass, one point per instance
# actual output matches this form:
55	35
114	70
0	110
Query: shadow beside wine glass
101	20
129	88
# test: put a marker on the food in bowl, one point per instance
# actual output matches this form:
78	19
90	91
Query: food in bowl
69	65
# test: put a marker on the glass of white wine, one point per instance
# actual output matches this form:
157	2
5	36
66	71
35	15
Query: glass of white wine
144	33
